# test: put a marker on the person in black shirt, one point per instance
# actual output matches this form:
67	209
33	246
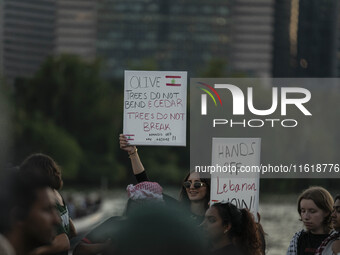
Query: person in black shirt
315	206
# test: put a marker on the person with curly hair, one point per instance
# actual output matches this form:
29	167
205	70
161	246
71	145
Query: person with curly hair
232	231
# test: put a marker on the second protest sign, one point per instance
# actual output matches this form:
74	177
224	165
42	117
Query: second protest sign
233	185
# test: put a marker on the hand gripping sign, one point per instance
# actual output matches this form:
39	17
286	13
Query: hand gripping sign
155	107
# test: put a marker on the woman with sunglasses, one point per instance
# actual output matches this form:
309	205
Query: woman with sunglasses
315	207
232	231
195	192
195	195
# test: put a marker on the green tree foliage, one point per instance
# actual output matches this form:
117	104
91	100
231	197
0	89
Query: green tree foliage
68	111
216	68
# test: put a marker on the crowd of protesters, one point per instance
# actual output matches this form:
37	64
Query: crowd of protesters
35	219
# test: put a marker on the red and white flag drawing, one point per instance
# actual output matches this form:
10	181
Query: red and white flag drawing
130	137
172	82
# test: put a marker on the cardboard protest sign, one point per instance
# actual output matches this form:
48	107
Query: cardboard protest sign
155	107
232	179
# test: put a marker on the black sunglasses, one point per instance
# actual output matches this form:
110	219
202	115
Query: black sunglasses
197	185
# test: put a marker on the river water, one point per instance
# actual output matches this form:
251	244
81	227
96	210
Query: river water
279	217
280	222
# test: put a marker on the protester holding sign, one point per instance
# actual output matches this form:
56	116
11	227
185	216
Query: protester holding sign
315	207
195	193
232	231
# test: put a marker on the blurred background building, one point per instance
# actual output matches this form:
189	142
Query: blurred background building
1	40
28	35
317	39
307	38
75	27
252	37
167	35
279	38
338	40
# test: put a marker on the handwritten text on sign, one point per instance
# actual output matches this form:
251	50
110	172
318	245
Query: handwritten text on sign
155	107
241	189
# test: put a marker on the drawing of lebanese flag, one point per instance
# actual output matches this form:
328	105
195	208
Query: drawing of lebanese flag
172	82
130	137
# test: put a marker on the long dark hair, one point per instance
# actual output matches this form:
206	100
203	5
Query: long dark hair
183	196
243	232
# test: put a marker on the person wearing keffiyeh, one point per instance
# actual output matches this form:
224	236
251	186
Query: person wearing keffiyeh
328	246
100	239
293	246
315	206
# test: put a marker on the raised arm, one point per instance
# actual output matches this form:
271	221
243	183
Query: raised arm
137	166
